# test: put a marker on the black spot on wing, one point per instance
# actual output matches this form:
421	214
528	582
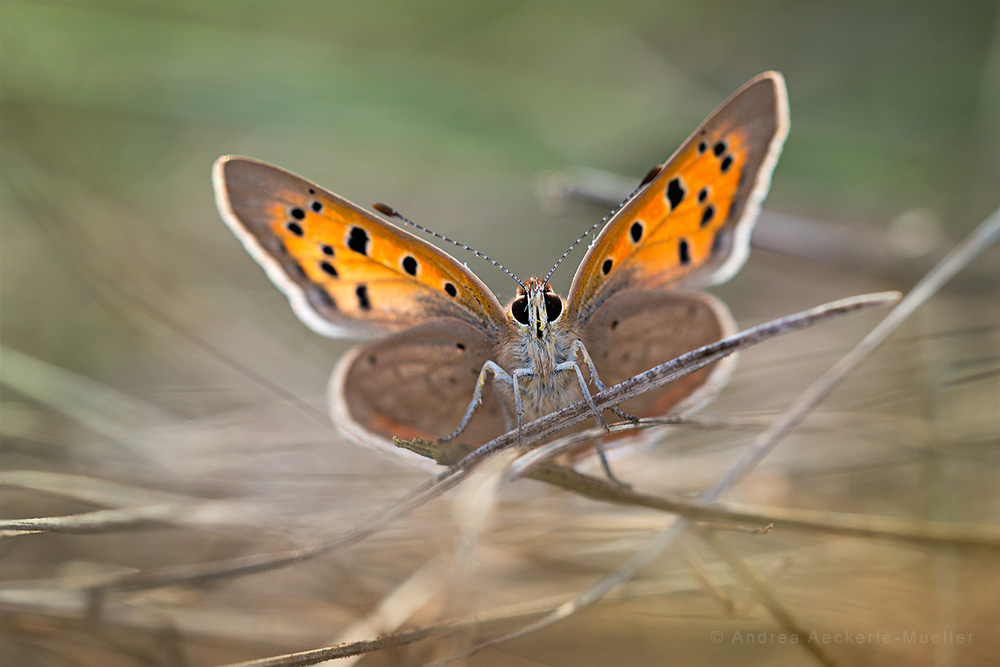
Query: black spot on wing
357	240
298	213
410	265
684	251
635	231
327	250
329	269
719	148
675	192
703	195
606	266
707	215
450	289
727	162
316	206
295	228
364	303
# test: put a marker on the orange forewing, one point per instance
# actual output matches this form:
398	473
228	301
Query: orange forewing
346	271
694	215
703	210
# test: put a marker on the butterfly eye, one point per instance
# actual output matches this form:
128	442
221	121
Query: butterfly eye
553	307
519	309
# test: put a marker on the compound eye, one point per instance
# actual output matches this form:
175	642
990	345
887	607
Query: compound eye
519	309
553	307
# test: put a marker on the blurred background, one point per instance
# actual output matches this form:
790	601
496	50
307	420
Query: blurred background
148	360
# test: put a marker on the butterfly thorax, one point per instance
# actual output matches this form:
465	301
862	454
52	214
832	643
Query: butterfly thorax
541	337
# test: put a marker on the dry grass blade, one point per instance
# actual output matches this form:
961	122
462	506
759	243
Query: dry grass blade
986	233
532	432
766	596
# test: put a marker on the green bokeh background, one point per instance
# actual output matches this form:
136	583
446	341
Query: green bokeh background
114	111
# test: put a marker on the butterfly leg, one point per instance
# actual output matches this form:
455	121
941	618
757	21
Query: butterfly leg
578	348
508	378
508	419
518	405
599	445
477	398
573	366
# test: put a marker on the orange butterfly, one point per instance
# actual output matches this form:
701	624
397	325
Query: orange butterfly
451	359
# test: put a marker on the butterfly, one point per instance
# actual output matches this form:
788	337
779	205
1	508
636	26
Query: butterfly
449	359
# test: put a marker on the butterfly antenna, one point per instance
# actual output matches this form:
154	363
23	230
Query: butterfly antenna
645	181
393	213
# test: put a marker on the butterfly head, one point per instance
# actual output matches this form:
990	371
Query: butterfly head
536	308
